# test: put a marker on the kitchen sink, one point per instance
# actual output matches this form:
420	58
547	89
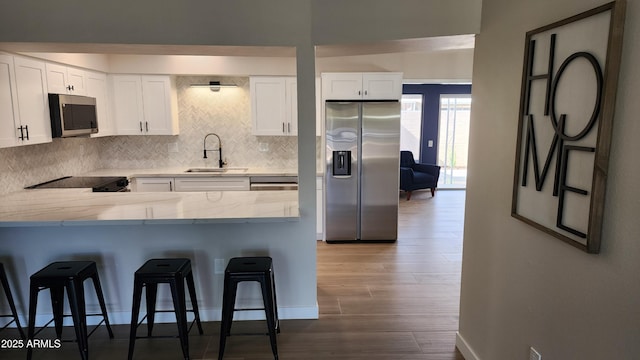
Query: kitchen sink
213	170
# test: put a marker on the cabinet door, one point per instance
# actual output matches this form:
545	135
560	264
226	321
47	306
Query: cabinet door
97	88
127	104
9	117
154	184
220	183
33	101
76	79
268	105
382	86
292	106
56	78
65	80
342	86
157	104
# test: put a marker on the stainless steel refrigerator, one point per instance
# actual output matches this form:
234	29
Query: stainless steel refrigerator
362	173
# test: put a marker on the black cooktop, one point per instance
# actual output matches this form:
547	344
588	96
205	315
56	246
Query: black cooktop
97	183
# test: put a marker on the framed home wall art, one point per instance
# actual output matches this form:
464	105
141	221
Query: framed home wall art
567	102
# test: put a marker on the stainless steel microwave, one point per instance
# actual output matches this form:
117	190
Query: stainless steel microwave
72	115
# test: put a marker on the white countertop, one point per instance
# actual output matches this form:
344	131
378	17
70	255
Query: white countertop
83	207
66	207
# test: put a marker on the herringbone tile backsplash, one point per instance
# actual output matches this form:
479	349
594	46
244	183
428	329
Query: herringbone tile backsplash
201	111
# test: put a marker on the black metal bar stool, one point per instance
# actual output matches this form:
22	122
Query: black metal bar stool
69	275
241	269
173	272
12	305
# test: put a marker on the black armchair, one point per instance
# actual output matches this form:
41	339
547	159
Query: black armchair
415	176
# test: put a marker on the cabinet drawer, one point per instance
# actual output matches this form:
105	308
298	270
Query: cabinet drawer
212	184
152	184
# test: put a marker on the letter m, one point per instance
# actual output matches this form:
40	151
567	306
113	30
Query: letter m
531	153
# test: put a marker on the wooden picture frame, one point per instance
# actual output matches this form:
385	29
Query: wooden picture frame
567	102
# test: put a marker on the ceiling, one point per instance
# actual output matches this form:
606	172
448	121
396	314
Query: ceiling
432	44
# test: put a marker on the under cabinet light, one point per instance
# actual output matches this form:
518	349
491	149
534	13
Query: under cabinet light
214	85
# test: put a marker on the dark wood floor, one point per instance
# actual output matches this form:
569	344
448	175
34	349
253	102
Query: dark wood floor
377	301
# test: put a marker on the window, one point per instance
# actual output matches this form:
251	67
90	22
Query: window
411	124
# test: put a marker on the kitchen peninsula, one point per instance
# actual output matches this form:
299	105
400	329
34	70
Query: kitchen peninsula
81	206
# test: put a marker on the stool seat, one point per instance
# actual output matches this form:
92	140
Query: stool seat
70	276
241	269
12	305
62	271
164	268
249	266
173	271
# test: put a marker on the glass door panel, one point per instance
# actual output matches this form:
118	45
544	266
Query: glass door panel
453	140
411	123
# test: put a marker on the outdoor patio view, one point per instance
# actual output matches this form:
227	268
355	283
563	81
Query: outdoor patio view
453	135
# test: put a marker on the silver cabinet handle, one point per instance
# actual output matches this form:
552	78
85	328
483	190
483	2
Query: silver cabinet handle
289	128
366	92
146	125
283	127
140	126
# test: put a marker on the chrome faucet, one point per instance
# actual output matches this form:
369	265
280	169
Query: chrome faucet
219	149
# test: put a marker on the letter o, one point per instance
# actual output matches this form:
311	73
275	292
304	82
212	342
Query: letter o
596	107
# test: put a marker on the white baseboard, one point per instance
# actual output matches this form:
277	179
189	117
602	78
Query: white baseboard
464	348
124	317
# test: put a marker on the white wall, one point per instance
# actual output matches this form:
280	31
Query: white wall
445	66
521	287
202	65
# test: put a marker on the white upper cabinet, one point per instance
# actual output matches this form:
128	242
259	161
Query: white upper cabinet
160	104
145	104
9	116
291	101
361	86
97	87
66	80
34	126
274	105
127	104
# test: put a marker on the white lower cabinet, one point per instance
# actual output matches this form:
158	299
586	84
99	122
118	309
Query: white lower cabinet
217	183
152	184
221	183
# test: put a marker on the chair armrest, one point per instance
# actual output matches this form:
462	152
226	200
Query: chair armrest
406	177
428	168
431	169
